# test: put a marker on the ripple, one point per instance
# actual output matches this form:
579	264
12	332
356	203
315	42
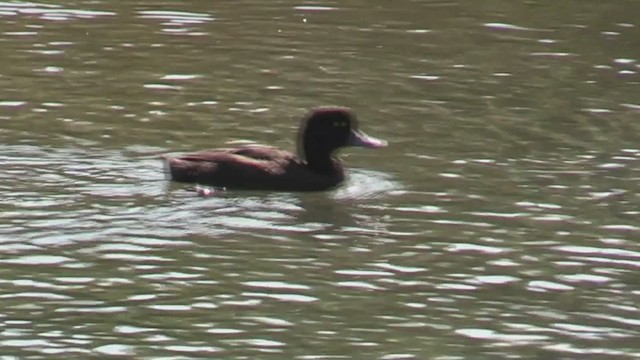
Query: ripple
363	273
621	227
142	297
33	343
276	285
363	285
224	331
92	310
114	350
577	249
493	335
624	321
493	279
505	26
9	103
37	284
193	349
178	17
600	352
270	321
134	258
314	8
543	286
584	332
456	286
49	11
425	77
37	260
257	342
296	298
173	275
462	247
366	184
162	87
585	278
398	268
170	307
428	209
499	215
127	329
178	22
180	77
552	54
35	295
398	356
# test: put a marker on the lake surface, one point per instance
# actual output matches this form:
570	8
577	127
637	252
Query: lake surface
502	221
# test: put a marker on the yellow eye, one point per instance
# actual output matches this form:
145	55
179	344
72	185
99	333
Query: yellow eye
340	124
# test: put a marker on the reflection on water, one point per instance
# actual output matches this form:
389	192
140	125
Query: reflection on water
501	221
48	12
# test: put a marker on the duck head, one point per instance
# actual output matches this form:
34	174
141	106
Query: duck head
326	129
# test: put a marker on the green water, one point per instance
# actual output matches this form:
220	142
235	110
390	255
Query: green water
501	222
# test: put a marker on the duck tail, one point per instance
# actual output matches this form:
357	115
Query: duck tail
166	166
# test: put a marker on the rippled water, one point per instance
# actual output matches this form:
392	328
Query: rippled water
501	222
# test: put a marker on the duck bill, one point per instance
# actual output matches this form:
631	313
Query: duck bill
358	138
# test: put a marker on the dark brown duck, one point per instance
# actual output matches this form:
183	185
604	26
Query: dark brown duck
322	131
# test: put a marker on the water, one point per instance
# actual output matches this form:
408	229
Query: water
501	222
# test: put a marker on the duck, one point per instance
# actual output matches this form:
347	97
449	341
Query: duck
322	132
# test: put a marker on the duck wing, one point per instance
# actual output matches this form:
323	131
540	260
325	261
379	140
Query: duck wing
262	152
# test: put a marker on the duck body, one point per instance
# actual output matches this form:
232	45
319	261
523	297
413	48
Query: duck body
252	167
259	167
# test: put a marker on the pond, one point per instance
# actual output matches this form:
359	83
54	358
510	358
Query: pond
502	220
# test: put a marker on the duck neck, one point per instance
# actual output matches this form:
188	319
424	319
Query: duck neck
321	162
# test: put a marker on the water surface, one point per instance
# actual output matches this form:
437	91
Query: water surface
501	222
